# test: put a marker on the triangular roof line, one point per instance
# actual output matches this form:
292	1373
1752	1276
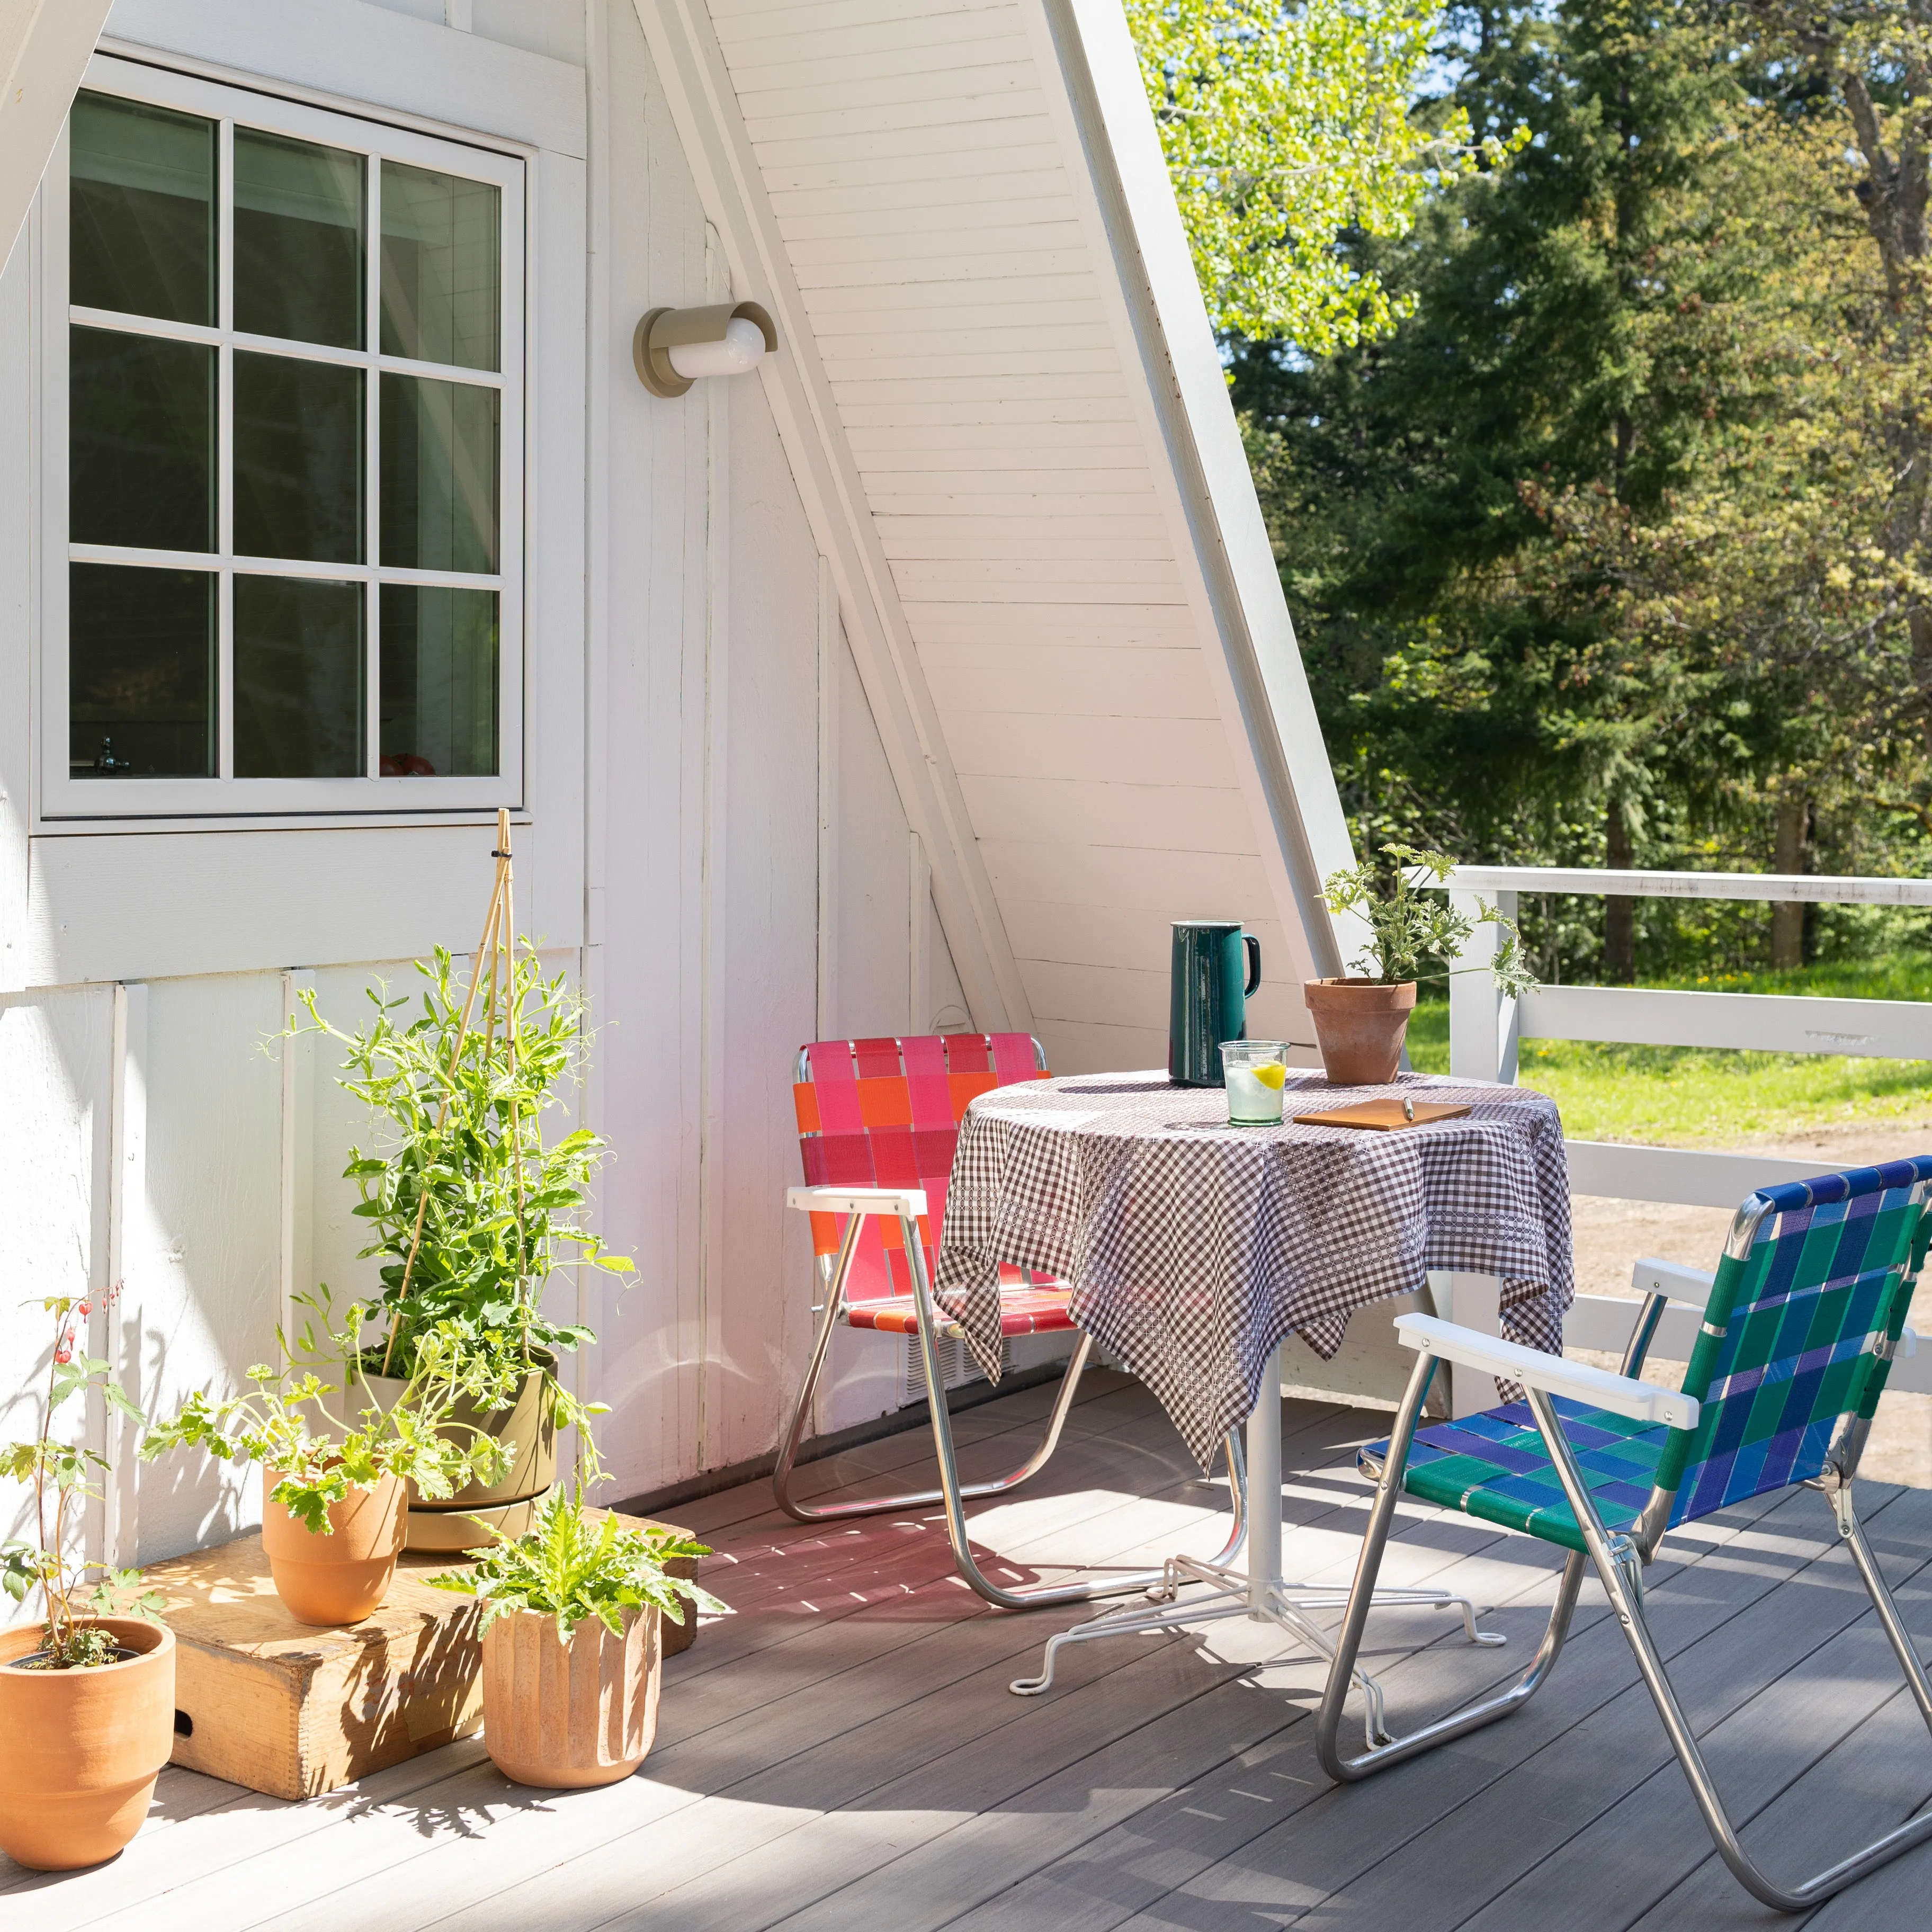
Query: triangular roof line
1004	408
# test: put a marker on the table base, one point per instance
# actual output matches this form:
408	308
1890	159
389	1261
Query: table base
1262	1593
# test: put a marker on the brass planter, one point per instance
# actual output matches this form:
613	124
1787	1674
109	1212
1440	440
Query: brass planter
463	1521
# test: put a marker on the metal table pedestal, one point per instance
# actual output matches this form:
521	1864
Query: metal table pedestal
1262	1593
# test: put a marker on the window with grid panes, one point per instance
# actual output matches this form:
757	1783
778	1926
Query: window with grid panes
288	510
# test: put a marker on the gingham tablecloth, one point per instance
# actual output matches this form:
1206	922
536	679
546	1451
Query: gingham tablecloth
1193	1247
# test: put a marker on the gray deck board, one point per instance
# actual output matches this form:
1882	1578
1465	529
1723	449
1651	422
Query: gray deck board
843	1755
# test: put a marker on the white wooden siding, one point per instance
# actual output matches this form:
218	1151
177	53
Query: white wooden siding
935	230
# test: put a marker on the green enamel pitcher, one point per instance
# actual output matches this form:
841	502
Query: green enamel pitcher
1217	966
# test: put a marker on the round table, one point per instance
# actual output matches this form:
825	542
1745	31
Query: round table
1194	1248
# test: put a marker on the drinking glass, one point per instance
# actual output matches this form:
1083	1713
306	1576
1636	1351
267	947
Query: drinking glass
1257	1071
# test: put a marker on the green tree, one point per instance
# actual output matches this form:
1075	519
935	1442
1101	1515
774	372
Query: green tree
1509	532
1287	125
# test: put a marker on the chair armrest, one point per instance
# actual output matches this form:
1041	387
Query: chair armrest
909	1201
1687	1287
1642	1401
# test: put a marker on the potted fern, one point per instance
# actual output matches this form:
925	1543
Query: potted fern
337	1475
87	1694
572	1642
1361	1021
470	1209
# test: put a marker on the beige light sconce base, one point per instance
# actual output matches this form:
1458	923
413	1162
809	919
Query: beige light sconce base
661	330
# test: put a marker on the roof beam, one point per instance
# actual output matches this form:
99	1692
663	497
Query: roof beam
44	47
1094	91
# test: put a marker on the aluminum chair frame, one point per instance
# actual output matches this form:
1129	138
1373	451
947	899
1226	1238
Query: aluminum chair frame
1619	1558
907	1204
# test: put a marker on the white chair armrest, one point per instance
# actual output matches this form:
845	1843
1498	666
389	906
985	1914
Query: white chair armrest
1688	1287
1642	1401
858	1200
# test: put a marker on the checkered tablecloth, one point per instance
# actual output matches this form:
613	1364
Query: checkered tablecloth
1194	1247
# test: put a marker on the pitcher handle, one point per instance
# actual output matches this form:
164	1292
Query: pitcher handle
1254	947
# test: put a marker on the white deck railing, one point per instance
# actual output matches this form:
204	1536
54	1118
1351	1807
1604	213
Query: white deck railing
1486	1028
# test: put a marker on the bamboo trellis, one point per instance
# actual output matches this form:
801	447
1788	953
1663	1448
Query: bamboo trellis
496	958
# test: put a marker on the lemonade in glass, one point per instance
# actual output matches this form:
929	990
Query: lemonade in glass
1256	1072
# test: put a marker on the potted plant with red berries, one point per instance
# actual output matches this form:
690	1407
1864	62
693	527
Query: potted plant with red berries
87	1693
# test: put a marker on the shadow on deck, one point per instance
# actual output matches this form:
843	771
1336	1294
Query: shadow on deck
844	1753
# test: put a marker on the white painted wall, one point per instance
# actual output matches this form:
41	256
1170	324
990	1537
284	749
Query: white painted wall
715	833
668	852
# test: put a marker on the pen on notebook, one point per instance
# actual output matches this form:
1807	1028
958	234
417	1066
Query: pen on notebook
1408	1107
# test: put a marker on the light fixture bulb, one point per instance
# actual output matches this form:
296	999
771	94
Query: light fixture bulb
743	344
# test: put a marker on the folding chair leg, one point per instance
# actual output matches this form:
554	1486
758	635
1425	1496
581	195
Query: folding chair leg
1889	1620
781	1474
1383	1749
1618	1567
955	1497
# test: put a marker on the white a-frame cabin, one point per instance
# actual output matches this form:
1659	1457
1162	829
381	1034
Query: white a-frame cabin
914	681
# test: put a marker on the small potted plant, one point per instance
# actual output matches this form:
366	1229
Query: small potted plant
335	1482
1360	1022
470	1210
87	1695
571	1641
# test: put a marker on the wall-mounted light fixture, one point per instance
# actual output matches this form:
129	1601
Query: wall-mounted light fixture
674	347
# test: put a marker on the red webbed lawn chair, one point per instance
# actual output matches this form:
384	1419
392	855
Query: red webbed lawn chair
877	1122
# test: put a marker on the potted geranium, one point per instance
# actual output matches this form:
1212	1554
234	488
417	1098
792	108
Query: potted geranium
470	1209
571	1641
87	1694
336	1479
1360	1022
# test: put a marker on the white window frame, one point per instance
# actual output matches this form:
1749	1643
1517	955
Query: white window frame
65	796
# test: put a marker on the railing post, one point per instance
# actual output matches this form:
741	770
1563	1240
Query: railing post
1483	1028
1482	1046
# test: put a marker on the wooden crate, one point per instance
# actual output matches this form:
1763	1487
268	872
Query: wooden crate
294	1710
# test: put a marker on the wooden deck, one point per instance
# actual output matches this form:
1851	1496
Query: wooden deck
843	1753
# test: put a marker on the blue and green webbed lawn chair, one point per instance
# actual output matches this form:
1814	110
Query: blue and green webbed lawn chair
1803	1319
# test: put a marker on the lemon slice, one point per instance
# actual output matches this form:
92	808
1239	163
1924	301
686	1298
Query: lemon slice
1272	1075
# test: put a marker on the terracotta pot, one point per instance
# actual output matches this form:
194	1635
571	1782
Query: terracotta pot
343	1577
566	1717
82	1748
527	1424
1359	1025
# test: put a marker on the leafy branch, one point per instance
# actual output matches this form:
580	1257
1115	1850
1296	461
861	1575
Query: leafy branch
572	1566
470	1210
285	1421
61	1475
1405	929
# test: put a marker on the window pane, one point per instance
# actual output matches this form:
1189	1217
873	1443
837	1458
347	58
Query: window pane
440	275
438	475
298	678
142	210
299	224
142	429
439	682
140	672
297	459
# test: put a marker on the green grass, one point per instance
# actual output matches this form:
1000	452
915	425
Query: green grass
1692	1096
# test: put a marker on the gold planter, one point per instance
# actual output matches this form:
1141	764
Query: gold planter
462	1521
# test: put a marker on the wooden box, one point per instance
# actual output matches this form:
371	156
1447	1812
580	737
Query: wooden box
294	1710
